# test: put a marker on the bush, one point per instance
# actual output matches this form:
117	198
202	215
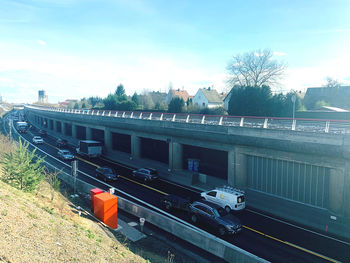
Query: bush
22	169
176	105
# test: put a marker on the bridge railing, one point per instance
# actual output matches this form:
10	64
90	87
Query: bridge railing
304	125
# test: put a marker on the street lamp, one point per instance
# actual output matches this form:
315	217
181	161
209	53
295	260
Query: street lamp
294	98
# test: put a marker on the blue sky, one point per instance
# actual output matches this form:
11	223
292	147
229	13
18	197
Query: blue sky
82	48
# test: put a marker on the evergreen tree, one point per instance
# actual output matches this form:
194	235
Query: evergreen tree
22	169
120	93
135	98
176	105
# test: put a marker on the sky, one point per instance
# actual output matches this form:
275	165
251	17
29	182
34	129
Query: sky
82	48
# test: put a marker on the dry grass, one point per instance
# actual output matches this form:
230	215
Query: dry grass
35	229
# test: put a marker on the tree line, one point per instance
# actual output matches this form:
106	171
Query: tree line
252	76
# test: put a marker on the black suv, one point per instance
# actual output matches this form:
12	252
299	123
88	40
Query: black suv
146	174
215	217
106	173
61	143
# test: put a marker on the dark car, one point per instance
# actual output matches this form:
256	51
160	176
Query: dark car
215	217
61	143
172	201
146	174
65	155
43	133
106	174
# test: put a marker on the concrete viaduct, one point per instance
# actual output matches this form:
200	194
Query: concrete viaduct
301	176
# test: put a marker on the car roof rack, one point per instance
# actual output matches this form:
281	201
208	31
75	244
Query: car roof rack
230	189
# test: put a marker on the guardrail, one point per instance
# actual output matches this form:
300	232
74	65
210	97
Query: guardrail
305	125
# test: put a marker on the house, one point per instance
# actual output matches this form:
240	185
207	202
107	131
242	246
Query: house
227	99
176	93
207	98
67	102
333	96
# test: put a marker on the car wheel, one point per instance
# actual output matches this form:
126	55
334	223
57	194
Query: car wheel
194	218
222	231
228	209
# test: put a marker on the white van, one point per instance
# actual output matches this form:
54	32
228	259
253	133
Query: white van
227	197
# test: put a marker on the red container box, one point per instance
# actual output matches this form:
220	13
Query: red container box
94	192
106	209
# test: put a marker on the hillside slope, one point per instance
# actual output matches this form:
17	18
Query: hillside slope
34	229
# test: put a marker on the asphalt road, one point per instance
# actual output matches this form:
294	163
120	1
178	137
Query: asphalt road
275	241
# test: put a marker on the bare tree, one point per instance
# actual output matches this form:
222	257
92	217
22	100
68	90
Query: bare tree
256	68
332	83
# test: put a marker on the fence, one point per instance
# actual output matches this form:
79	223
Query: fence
304	125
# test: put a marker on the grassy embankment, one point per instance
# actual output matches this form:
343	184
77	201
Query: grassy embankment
35	228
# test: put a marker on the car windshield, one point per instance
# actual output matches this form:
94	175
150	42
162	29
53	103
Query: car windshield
65	152
107	170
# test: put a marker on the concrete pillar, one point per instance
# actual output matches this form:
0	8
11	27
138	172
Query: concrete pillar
108	140
74	131
231	167
135	146
241	180
54	126
347	193
175	156
336	191
88	133
63	128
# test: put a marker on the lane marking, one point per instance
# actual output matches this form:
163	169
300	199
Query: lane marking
147	186
305	229
126	178
86	161
292	245
173	183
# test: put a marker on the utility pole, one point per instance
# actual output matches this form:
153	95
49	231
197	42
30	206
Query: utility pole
293	100
75	173
10	133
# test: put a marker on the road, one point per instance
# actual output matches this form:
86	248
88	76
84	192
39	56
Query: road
266	237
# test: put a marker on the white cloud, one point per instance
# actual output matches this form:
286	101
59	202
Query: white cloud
303	77
277	53
41	42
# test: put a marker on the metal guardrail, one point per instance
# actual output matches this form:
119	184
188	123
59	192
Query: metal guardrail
274	123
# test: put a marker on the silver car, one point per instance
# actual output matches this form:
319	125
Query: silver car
38	140
65	155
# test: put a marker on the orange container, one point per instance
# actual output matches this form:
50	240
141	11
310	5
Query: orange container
93	192
106	209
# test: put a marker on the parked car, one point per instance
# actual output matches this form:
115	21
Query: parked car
38	140
61	143
43	133
172	201
226	197
65	155
146	174
214	217
106	173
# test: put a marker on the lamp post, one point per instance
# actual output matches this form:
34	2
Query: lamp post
293	100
